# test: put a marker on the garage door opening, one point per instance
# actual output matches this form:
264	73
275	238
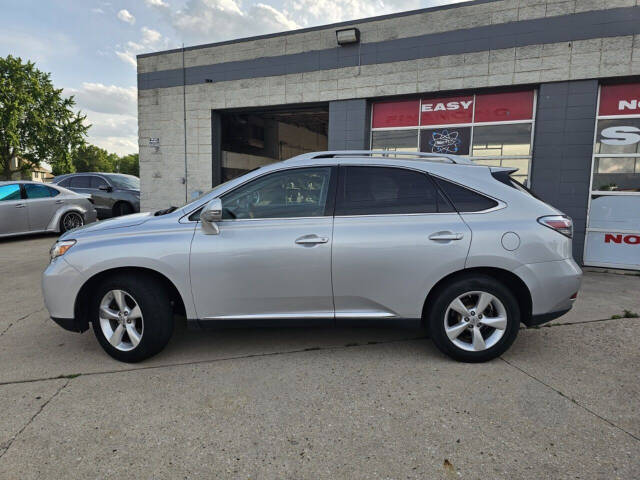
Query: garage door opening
251	139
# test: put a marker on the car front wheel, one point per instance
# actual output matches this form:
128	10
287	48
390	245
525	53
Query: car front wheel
474	319
132	317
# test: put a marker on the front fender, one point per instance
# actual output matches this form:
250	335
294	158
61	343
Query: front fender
165	252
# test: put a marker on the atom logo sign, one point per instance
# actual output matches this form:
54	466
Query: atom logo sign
445	141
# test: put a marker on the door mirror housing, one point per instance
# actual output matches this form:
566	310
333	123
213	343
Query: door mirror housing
105	188
211	213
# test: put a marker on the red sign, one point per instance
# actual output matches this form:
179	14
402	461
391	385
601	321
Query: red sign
504	107
396	114
620	99
491	107
446	111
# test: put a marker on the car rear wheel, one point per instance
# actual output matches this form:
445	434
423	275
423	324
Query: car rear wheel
122	208
474	319
132	317
71	220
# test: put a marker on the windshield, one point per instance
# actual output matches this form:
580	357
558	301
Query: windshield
128	182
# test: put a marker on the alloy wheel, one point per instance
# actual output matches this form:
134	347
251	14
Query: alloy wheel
475	321
72	220
121	320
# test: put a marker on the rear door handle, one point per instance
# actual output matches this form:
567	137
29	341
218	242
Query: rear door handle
311	240
446	236
20	205
59	201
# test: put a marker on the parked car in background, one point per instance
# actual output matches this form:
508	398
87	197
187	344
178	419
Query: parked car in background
113	194
461	248
29	207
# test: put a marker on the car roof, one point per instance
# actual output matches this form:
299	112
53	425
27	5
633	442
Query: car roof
31	182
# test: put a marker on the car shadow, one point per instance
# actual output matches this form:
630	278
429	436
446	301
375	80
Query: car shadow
251	341
29	236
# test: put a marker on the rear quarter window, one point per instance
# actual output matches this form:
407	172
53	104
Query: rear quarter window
464	199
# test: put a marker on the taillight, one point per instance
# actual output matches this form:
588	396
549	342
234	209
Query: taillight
559	223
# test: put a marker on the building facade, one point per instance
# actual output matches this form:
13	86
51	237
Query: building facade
549	87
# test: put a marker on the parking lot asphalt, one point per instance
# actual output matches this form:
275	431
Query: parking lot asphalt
564	402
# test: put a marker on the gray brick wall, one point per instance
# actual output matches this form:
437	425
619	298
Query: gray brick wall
349	125
562	150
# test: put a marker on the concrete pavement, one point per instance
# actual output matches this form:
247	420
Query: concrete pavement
318	403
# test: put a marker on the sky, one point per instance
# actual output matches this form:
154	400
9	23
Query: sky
90	46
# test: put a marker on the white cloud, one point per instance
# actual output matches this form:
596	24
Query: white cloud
156	3
205	21
150	40
98	10
213	20
106	98
112	113
126	16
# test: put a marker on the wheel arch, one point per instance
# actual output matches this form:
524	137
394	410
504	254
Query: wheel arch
55	223
509	279
85	294
119	202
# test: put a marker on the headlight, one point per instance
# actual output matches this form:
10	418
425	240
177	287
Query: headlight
60	248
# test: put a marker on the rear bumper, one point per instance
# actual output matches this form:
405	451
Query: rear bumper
71	324
551	285
536	320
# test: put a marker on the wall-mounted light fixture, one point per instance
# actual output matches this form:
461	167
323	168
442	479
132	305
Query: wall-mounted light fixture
347	36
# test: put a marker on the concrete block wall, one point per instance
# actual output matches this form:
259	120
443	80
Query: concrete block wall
562	150
161	110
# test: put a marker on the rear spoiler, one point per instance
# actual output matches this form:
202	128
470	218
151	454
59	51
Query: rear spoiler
508	170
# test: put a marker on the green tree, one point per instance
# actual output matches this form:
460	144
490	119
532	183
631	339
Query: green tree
36	122
129	164
90	158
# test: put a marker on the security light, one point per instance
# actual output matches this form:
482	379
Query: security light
347	36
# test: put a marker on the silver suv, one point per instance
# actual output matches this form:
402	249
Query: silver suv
326	237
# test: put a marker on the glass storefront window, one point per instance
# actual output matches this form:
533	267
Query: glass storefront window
395	140
502	140
616	174
489	128
619	135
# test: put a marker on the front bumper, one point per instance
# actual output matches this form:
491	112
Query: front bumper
60	286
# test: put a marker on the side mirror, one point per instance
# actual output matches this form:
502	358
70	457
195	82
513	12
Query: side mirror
211	213
105	188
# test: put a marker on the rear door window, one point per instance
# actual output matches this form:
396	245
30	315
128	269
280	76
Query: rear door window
463	199
387	190
39	191
10	192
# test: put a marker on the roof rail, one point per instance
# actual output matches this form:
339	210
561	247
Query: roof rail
434	157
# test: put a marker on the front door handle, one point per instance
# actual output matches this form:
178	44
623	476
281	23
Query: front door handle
311	240
59	202
20	205
446	236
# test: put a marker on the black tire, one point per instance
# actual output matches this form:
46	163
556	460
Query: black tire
65	221
122	208
457	287
154	301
